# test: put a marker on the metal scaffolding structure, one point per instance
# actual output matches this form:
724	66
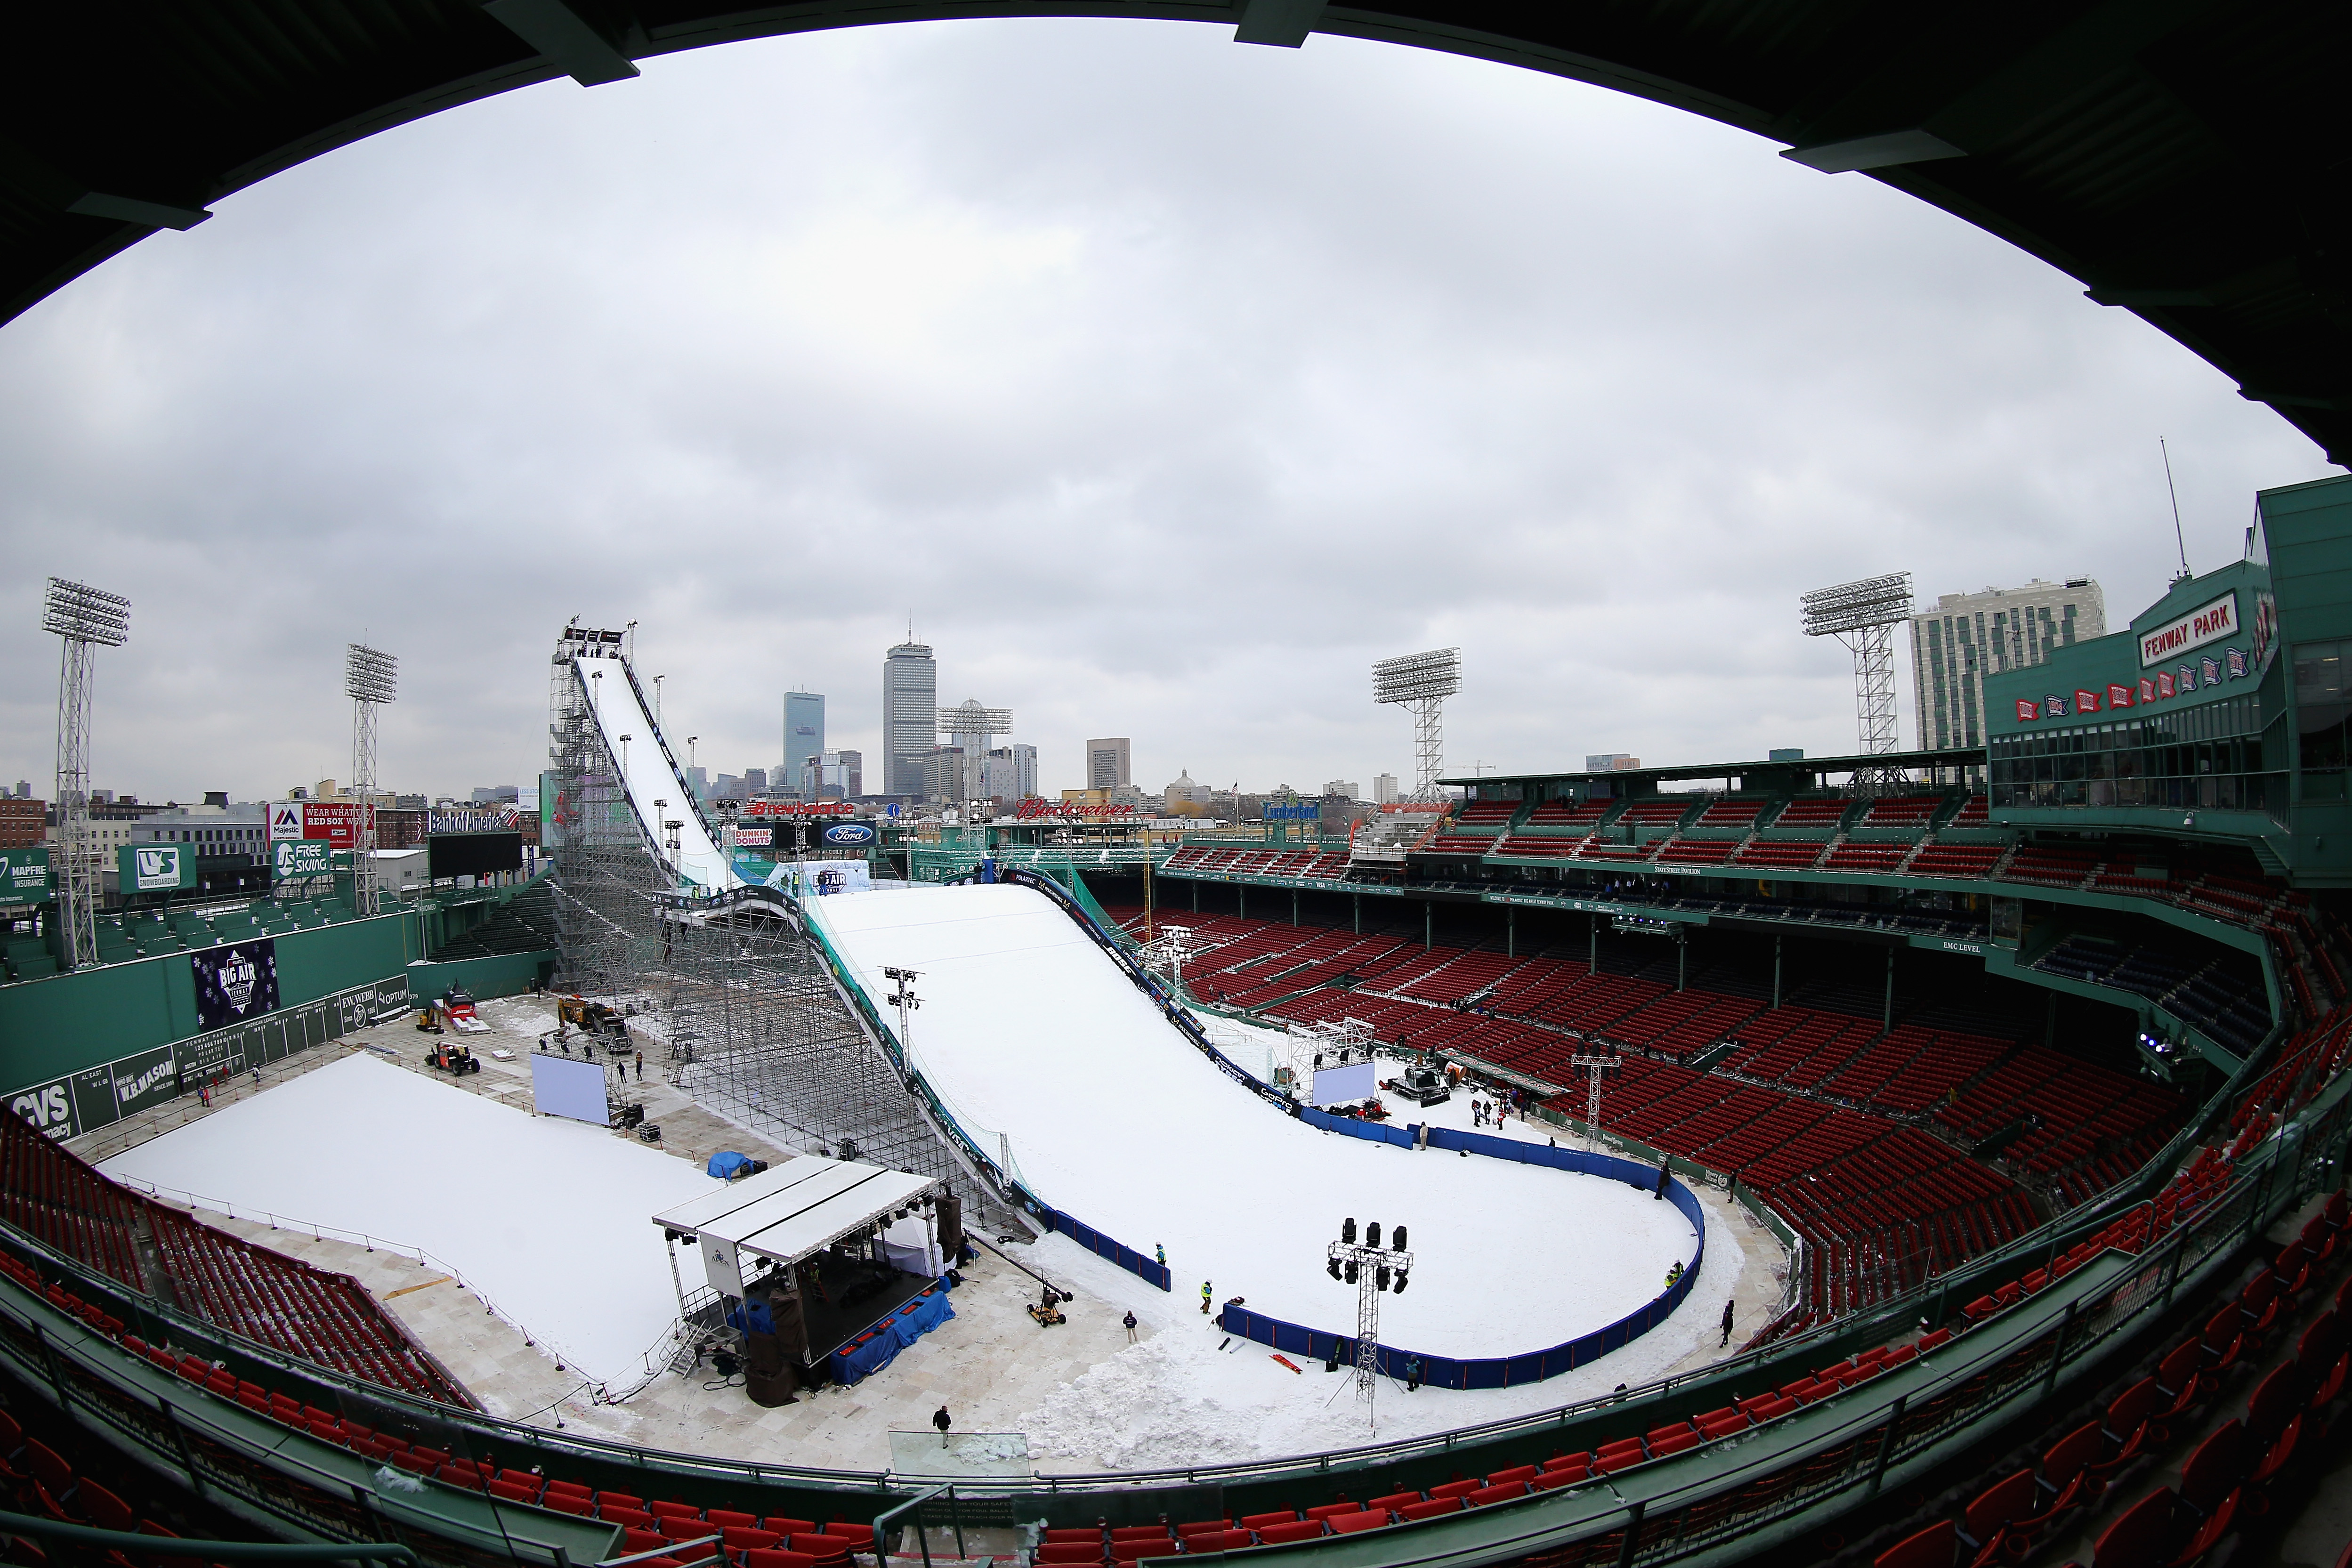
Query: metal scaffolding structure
87	620
732	984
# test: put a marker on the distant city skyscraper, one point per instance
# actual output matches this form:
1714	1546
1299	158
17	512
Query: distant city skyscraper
803	740
1384	788
1106	764
910	706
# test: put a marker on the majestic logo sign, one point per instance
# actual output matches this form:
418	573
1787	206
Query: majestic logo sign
2206	623
286	819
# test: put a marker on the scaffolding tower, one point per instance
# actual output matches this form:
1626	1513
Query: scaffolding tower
733	984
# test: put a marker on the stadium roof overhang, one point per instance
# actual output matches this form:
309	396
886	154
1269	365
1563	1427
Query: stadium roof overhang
2182	159
1947	757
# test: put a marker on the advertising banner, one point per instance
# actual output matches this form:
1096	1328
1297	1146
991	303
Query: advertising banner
846	834
292	860
285	819
553	813
492	819
234	984
146	1079
24	877
1343	1085
339	822
155	867
1304	811
754	838
816	879
799	808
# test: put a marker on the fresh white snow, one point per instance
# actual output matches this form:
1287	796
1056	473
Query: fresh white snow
649	775
1031	1034
549	1220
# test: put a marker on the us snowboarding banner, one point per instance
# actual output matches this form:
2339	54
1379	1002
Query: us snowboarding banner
234	984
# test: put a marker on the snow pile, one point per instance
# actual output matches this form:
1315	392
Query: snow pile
1030	1033
1191	1396
551	1220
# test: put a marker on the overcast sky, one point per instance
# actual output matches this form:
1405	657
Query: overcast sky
1164	383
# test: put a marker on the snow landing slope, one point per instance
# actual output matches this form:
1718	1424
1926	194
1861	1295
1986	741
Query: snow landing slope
1028	1030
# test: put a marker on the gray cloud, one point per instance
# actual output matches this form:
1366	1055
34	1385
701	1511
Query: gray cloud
1164	382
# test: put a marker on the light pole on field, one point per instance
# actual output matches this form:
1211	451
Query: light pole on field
1370	1269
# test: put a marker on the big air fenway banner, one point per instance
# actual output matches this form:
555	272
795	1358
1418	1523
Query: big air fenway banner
234	984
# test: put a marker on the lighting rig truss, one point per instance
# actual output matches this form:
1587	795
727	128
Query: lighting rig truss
1370	1269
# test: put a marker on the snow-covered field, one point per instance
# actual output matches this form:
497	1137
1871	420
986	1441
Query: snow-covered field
1030	1033
548	1218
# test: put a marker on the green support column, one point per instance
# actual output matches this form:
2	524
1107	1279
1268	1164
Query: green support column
1776	968
1511	932
1358	900
1890	990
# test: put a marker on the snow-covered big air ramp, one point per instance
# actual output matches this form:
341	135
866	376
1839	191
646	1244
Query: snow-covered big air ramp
649	772
1028	1030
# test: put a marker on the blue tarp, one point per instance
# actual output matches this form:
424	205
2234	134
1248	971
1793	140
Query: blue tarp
727	1164
762	1320
881	1344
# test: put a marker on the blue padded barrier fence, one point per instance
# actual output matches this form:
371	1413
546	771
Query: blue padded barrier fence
1101	1246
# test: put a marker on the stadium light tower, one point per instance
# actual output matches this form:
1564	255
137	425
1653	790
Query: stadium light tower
369	678
87	620
972	727
1371	1271
1863	616
1420	683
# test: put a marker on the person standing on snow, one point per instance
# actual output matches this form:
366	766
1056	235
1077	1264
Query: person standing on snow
1204	1298
1129	1322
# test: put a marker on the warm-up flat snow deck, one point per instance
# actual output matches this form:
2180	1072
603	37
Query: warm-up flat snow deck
1031	1034
545	1217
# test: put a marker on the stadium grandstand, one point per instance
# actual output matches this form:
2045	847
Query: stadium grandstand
2035	1062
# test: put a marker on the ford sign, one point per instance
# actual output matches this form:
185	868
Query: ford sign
849	832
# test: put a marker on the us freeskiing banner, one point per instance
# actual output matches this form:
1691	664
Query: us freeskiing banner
234	984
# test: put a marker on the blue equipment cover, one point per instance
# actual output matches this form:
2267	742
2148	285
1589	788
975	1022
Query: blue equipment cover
727	1164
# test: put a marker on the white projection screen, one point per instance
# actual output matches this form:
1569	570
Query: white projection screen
1335	1086
566	1086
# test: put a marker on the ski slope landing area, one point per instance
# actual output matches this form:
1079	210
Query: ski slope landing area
551	1220
1028	1031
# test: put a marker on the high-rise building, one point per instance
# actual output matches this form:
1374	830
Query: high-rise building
910	709
804	741
1106	764
1384	789
939	774
845	775
1343	788
1968	636
1012	772
755	781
